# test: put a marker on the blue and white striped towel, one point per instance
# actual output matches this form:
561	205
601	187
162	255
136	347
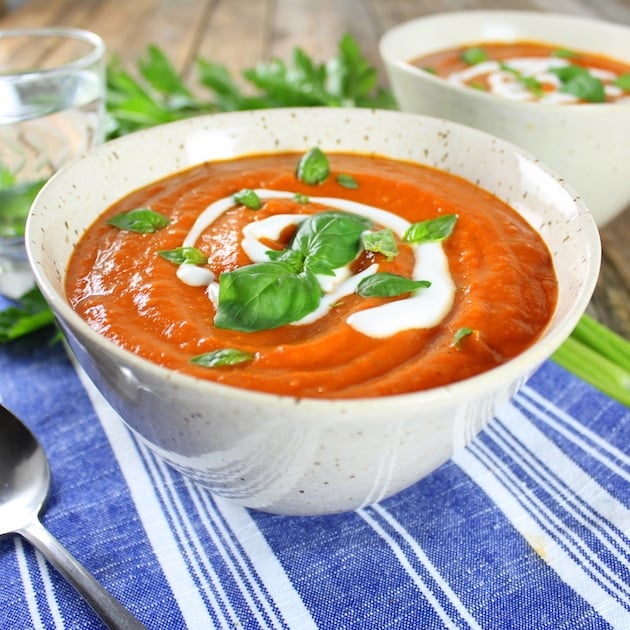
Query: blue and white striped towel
528	527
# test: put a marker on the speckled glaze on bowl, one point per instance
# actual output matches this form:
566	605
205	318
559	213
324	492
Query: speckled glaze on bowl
281	454
587	143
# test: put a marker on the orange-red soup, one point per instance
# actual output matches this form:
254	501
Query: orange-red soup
532	71
504	283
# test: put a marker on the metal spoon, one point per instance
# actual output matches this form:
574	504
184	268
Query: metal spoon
24	485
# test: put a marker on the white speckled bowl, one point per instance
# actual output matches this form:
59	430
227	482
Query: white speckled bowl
279	453
587	144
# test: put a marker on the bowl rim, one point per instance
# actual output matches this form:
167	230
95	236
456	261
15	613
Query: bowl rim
511	17
514	370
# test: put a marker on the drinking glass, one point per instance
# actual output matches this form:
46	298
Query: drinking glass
52	90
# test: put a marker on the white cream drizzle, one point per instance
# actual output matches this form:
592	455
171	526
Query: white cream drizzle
423	309
505	84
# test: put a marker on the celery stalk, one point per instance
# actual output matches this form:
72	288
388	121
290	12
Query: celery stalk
608	343
592	366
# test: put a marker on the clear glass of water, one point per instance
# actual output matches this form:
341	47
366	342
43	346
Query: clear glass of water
52	89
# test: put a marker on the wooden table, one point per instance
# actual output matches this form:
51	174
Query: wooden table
239	33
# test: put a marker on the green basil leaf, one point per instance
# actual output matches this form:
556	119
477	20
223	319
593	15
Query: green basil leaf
389	285
381	242
623	82
313	167
249	198
347	181
15	202
142	220
329	240
291	257
531	83
431	230
300	198
460	334
265	295
222	358
580	83
181	255
474	55
564	53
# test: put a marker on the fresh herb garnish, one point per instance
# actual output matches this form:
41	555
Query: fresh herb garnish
461	334
580	83
347	181
381	242
431	230
623	82
389	285
265	295
181	255
300	198
249	198
270	294
329	240
141	220
531	83
224	357
473	56
564	53
313	167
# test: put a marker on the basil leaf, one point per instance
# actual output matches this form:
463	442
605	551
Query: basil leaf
431	230
460	334
265	295
329	240
181	255
580	83
347	181
142	220
531	83
222	358
389	285
474	55
249	198
300	198
623	82
15	202
313	167
291	257
380	242
564	53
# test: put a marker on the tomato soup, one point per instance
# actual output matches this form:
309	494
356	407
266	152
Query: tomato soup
332	276
532	71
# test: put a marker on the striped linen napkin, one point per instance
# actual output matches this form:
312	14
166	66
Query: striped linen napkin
528	527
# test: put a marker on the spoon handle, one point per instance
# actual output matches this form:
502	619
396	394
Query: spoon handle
110	610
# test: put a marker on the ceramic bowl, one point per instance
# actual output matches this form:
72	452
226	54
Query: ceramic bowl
586	143
278	453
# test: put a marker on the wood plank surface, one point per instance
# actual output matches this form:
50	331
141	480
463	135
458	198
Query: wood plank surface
240	33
